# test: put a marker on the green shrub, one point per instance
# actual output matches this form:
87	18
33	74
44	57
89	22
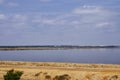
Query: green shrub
13	75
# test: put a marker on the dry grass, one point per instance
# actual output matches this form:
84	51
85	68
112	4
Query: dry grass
62	71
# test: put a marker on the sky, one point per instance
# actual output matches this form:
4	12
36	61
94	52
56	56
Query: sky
59	22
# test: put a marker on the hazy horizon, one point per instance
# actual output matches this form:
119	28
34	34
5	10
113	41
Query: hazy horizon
60	45
59	22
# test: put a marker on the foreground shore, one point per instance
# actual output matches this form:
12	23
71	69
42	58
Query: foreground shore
70	71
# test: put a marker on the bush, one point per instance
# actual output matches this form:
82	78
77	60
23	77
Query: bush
62	77
13	75
114	77
48	77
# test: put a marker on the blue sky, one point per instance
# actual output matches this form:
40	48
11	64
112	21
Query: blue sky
59	22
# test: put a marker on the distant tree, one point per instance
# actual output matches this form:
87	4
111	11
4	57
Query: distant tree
13	75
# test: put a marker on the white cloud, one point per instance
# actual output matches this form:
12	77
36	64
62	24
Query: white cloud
86	16
53	21
49	22
88	10
75	20
13	21
13	18
2	17
19	18
104	24
94	17
90	18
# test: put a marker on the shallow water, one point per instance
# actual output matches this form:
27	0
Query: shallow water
107	56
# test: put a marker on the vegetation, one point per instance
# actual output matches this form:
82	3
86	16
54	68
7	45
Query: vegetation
54	47
48	77
62	77
13	75
114	77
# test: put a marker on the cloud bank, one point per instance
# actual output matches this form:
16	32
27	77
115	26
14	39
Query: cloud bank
81	25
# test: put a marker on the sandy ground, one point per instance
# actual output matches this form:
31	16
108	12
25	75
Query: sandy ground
70	71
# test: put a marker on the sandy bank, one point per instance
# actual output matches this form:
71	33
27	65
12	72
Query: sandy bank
39	70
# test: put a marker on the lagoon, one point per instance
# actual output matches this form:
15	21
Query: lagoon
104	56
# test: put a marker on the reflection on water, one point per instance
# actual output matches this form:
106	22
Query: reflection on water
110	56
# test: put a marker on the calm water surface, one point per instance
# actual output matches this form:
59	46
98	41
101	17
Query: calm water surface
109	56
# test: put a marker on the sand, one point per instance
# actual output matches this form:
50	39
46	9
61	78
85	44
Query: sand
54	70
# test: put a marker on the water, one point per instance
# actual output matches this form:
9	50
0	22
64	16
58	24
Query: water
107	56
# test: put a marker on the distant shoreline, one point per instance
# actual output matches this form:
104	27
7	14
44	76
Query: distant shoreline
54	47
